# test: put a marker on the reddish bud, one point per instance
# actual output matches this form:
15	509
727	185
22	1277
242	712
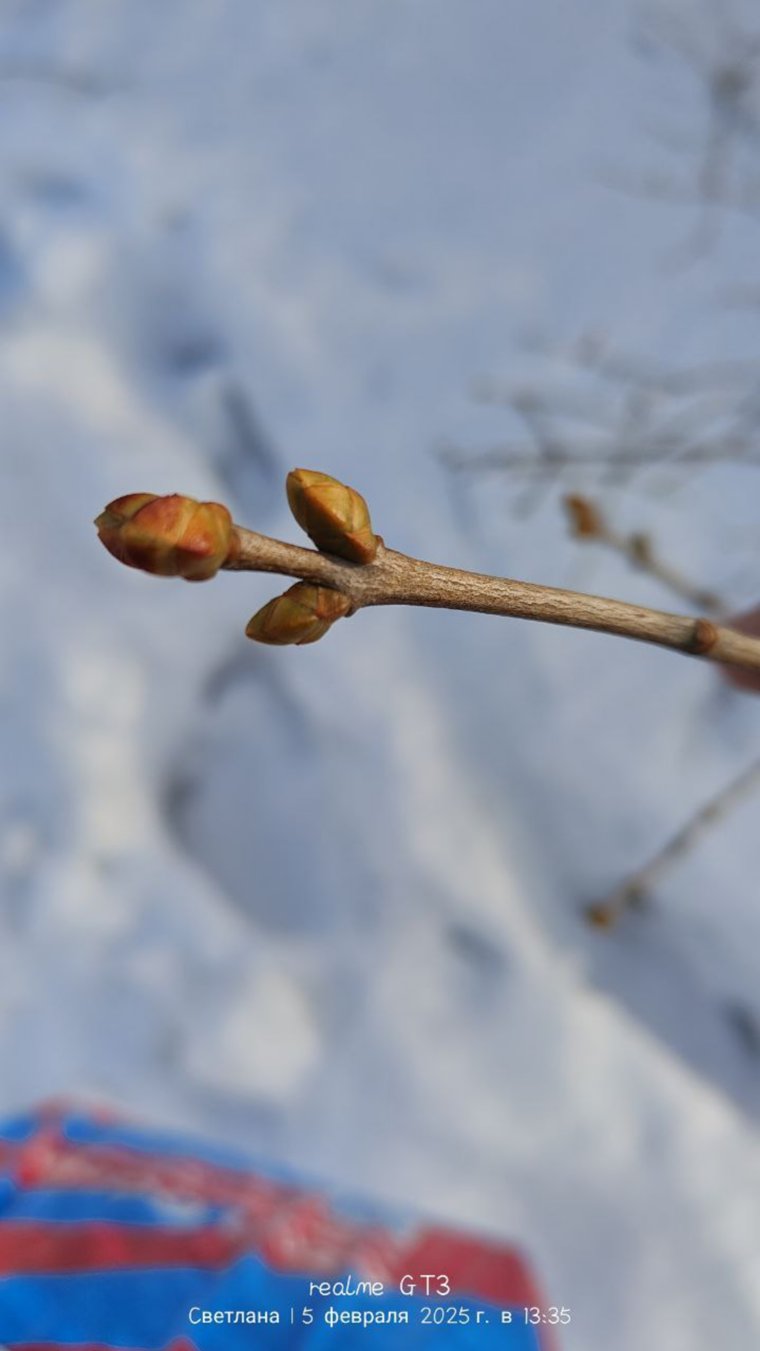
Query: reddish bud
586	520
170	536
601	916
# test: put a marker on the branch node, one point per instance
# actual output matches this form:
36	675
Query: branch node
703	639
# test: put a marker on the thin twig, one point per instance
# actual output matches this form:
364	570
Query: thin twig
589	523
71	80
396	579
639	551
631	893
672	453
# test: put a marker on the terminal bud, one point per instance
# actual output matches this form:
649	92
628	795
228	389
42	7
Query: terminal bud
172	536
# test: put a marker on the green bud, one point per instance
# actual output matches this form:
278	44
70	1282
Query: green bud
334	516
302	615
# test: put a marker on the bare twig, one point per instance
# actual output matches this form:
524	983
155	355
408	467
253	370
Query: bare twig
655	455
396	579
588	522
70	80
622	416
725	58
631	893
748	621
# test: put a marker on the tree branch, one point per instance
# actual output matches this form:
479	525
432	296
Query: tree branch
631	893
396	579
588	523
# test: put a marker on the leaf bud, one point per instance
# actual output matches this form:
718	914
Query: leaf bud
302	615
333	515
585	518
171	536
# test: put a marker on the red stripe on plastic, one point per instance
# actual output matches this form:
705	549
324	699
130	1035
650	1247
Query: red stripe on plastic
473	1266
30	1247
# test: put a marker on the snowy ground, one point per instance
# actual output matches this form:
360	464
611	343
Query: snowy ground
324	903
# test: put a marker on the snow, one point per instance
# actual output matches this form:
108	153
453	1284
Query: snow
325	903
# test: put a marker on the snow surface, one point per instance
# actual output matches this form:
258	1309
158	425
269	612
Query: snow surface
325	903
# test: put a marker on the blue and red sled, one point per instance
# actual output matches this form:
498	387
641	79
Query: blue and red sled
112	1236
